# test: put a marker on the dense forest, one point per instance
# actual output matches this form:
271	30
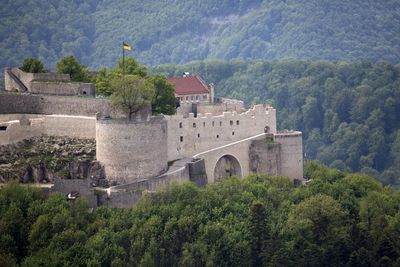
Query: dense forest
181	31
348	112
338	219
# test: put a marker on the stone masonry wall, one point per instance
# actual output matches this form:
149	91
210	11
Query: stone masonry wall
265	157
189	136
291	153
62	88
46	104
132	151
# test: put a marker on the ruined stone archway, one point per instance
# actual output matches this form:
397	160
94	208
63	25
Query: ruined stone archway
227	166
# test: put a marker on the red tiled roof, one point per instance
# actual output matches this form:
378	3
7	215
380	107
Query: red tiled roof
189	85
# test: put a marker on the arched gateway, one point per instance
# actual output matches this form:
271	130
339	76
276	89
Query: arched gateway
227	166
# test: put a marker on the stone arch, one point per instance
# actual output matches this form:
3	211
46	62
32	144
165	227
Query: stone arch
226	166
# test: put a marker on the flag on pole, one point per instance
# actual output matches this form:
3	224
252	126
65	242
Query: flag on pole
126	47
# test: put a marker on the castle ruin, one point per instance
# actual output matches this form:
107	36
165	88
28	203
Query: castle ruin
207	140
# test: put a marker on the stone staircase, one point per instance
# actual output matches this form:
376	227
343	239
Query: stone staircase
21	86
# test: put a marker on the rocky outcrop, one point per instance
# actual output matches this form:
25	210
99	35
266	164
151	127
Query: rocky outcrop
42	159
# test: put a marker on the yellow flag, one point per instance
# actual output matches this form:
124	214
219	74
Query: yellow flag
126	47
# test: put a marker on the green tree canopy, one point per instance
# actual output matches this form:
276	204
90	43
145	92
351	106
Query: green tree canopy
69	65
32	65
131	93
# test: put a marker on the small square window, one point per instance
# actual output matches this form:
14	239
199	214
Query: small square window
217	135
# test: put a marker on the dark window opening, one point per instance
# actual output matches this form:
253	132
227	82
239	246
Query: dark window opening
217	135
233	133
213	124
180	125
3	128
181	138
194	125
237	122
204	124
84	92
220	123
231	122
198	135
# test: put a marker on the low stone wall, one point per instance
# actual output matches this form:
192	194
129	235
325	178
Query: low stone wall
46	104
82	186
26	127
62	88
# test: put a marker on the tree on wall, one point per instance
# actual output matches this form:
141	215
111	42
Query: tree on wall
69	65
32	65
131	93
164	100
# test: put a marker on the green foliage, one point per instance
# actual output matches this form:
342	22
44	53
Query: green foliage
164	93
181	31
32	65
164	100
69	65
348	112
338	219
131	93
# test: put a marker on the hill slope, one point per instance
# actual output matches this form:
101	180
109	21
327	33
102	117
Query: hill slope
180	31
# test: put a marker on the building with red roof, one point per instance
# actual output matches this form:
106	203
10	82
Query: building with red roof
191	88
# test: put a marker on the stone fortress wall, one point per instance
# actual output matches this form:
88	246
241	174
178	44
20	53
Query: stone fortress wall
17	127
45	83
189	136
12	103
132	151
136	155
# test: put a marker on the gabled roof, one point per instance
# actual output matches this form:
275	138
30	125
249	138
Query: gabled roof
188	85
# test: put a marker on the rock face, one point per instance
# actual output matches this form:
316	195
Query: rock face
42	159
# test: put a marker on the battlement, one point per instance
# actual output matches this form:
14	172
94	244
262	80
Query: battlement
191	135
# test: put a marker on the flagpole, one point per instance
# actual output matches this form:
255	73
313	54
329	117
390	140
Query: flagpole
123	60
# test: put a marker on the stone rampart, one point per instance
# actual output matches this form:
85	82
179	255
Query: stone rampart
265	157
26	127
132	151
47	104
189	136
291	153
62	88
46	83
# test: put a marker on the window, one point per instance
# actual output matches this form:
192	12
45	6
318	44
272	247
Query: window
213	124
197	97
237	122
3	128
231	122
191	98
220	123
217	135
233	133
198	135
204	97
180	125
204	124
187	98
194	125
181	138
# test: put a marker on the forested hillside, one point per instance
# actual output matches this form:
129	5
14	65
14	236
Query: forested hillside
339	219
181	31
348	112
